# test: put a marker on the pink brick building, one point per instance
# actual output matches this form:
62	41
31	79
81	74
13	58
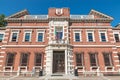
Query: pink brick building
58	42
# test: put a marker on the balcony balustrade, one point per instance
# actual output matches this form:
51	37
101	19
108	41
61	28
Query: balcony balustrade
81	16
36	17
58	42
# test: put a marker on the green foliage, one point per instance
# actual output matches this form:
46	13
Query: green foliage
2	21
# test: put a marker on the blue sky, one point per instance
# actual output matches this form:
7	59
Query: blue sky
109	7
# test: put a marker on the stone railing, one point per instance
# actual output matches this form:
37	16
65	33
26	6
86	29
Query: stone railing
81	16
36	17
58	42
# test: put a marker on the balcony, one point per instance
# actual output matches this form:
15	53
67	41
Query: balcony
81	16
36	17
58	42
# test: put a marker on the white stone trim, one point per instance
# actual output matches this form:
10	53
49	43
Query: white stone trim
103	31
24	46
115	56
2	52
4	41
118	65
1	56
116	60
77	31
115	52
90	27
27	31
12	32
93	45
118	46
40	31
27	27
90	31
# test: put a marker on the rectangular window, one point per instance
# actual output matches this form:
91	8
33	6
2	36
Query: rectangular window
77	37
10	59
14	37
79	59
103	37
107	59
116	37
40	37
59	33
1	37
24	59
27	37
93	59
90	37
38	59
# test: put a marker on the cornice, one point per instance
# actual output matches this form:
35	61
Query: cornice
94	27
27	27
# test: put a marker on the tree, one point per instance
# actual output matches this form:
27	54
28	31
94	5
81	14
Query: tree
2	21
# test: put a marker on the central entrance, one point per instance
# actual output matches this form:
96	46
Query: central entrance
58	61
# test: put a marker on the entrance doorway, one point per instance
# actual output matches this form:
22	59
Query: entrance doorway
58	61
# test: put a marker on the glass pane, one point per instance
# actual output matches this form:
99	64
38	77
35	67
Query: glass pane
14	36
116	37
27	37
40	37
79	60
93	60
90	37
1	37
38	60
59	35
103	37
107	59
10	59
24	60
77	37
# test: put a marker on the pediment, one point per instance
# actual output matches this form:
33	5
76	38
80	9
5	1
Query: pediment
98	14
19	14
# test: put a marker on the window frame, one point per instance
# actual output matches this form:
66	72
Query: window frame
80	36
118	38
58	31
105	32
21	59
116	32
110	58
96	59
8	57
93	36
82	59
36	59
2	37
40	31
27	31
12	32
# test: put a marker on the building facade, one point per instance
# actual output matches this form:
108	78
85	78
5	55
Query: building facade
58	42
